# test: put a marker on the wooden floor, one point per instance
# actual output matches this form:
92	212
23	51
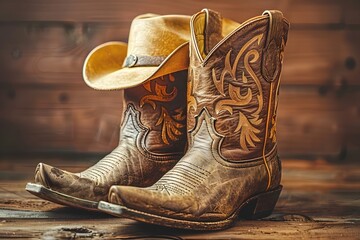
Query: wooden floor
319	200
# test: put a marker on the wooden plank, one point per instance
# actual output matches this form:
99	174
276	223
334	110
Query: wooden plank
37	53
59	130
61	120
328	58
85	120
52	53
128	229
298	11
351	12
310	123
61	98
319	200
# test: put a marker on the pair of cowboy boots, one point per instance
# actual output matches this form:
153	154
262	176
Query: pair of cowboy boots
197	147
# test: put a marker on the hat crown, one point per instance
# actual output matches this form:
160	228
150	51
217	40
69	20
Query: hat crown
155	35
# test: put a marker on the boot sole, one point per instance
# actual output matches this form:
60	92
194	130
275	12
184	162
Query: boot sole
60	198
256	207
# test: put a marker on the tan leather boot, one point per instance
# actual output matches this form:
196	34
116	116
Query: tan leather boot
153	130
231	167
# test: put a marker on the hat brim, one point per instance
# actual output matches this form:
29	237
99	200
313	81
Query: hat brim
103	67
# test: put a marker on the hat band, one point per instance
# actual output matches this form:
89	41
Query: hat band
142	61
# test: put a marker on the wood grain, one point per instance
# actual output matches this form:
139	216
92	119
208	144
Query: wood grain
45	105
319	200
59	120
54	54
297	11
315	124
56	119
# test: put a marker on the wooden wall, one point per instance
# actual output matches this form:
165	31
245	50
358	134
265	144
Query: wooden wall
46	107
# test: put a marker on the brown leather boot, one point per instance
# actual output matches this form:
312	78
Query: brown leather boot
153	130
231	167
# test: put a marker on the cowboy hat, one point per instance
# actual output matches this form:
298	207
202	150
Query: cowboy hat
158	45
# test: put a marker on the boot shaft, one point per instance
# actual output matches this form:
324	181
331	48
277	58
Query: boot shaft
236	78
161	104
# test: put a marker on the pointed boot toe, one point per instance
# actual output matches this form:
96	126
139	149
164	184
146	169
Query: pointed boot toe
52	177
42	175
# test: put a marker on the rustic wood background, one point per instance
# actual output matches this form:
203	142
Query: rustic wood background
46	107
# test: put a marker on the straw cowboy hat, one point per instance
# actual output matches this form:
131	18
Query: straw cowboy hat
158	45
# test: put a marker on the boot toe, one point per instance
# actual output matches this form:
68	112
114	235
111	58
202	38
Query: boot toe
150	201
69	183
51	177
42	174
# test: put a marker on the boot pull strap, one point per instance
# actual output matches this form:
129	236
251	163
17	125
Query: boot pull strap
213	29
271	62
276	24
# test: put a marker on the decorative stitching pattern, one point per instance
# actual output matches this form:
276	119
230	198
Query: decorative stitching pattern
160	94
205	124
131	129
182	179
171	124
247	125
100	171
131	123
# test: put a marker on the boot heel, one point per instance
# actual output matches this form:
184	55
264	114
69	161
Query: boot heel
261	205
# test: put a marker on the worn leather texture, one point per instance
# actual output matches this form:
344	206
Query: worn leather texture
233	88
152	139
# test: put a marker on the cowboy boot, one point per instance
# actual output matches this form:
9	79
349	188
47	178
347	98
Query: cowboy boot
231	167
153	129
